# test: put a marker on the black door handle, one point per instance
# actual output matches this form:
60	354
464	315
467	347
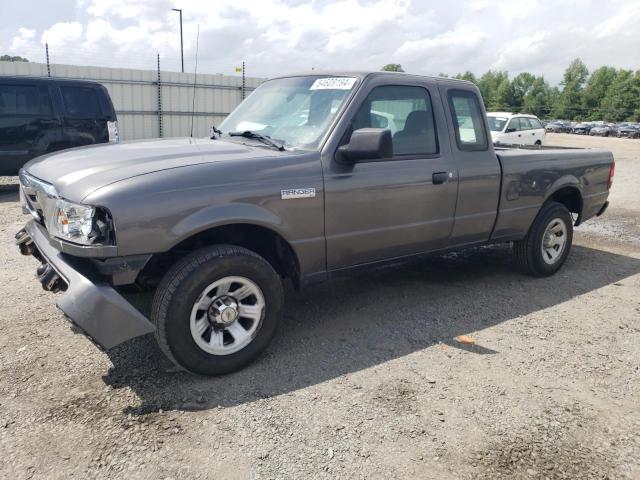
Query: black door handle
439	177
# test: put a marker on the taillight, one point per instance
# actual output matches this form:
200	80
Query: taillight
612	170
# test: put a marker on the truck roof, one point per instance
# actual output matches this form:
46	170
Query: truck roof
24	79
361	74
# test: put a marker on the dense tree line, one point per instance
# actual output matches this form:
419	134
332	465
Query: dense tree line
9	58
607	94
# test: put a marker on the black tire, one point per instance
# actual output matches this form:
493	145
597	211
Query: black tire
181	287
538	143
528	252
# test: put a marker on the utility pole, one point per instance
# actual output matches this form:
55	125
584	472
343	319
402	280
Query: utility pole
179	10
159	100
46	48
243	81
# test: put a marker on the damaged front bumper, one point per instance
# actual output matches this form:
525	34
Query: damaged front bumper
88	301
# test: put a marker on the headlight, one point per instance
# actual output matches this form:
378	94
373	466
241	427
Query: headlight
77	223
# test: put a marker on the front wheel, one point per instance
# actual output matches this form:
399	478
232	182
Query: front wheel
547	244
217	309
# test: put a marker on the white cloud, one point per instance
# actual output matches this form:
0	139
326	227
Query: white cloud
63	33
278	36
24	37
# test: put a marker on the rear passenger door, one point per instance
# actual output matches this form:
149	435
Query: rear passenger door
537	130
478	169
384	208
84	121
28	126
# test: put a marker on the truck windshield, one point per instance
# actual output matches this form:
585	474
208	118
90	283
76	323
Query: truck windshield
295	111
496	124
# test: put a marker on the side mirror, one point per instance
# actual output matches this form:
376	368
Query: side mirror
368	143
510	130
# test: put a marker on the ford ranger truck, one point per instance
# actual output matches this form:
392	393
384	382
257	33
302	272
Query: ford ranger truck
310	177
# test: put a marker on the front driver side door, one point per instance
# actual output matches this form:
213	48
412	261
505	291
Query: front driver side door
392	207
513	132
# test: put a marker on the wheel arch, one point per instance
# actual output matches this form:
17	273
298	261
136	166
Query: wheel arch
570	196
260	239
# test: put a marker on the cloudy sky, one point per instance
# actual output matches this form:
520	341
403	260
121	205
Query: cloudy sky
280	36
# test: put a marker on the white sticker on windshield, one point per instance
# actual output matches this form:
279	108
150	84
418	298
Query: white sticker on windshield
334	83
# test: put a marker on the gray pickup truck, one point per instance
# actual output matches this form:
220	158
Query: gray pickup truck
310	177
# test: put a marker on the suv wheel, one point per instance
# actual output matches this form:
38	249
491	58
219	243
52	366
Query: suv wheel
217	309
547	244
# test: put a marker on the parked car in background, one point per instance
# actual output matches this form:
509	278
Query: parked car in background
42	115
515	129
602	130
558	126
582	129
629	131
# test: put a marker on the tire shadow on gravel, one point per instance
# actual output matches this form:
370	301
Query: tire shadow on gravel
351	324
9	193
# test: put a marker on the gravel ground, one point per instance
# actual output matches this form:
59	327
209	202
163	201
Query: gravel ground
364	379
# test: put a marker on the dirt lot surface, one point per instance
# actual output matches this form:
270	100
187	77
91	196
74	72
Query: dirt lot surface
364	379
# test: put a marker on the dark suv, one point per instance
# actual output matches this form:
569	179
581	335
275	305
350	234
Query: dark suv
42	115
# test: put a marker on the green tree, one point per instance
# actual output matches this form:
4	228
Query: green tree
9	58
468	76
520	86
537	100
606	94
488	84
596	89
392	67
504	98
622	100
572	84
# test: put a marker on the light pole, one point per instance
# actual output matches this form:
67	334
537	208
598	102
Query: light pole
179	10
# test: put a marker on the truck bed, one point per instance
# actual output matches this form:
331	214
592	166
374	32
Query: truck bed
531	174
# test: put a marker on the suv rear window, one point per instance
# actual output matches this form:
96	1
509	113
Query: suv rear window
81	102
468	121
24	100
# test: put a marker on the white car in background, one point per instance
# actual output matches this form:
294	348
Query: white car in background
515	129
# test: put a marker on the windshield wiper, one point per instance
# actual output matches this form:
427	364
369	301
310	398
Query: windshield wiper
258	136
214	131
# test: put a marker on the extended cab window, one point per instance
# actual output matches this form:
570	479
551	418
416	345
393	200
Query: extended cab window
24	100
467	120
81	102
404	110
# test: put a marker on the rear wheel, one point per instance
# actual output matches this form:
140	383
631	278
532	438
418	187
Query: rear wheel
217	309
547	244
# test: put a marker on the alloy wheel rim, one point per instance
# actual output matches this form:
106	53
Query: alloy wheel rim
554	241
227	315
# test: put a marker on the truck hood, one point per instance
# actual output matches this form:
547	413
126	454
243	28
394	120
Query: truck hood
77	172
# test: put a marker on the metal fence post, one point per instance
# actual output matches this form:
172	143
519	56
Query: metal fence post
46	48
243	81
159	100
